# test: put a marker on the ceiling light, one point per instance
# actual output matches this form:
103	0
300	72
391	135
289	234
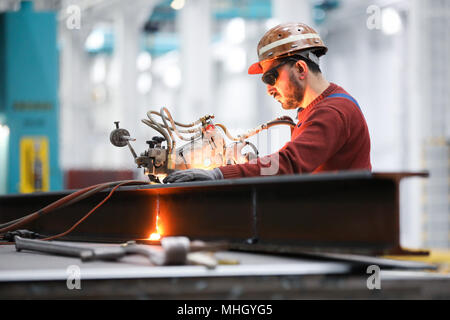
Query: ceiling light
177	4
391	22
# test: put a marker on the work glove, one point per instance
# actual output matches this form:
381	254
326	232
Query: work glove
193	175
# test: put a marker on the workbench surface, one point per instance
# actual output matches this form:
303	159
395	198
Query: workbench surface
32	275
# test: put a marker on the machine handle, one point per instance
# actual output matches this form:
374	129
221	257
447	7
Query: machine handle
49	247
85	254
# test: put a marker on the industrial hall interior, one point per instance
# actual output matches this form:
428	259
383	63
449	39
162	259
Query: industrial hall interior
225	149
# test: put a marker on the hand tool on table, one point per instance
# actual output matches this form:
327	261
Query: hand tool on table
175	251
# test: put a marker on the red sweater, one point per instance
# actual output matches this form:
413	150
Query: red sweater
331	134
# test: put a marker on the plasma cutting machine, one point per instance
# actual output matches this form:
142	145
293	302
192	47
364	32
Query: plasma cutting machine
204	144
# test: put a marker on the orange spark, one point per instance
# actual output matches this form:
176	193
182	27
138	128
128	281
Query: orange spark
155	236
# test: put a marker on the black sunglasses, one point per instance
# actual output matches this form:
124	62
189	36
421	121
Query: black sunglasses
270	76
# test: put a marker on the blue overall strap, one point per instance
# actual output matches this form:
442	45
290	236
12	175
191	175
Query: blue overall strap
336	95
345	96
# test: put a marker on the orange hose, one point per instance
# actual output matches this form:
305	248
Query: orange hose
90	212
50	207
54	205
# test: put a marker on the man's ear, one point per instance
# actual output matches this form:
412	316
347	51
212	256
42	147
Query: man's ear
302	69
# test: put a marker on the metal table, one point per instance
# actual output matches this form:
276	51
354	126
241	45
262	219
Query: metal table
28	275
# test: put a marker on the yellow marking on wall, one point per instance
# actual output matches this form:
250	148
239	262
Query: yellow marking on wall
34	164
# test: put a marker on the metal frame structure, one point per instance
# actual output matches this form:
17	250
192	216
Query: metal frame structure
349	212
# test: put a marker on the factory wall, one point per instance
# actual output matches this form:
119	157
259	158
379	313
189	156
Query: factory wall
29	106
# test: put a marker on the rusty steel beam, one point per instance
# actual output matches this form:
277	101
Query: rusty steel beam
354	212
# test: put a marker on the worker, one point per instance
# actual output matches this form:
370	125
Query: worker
331	133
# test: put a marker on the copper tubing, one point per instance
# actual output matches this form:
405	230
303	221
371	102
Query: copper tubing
165	115
160	130
280	122
252	132
170	142
178	123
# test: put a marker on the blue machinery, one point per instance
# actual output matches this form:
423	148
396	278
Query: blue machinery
29	110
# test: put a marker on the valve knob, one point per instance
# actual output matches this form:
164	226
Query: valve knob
119	136
158	139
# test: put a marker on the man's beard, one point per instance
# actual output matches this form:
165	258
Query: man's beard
290	103
295	98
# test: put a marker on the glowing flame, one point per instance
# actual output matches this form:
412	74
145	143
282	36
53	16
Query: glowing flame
158	225
207	162
155	236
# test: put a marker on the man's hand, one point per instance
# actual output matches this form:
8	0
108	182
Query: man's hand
193	175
